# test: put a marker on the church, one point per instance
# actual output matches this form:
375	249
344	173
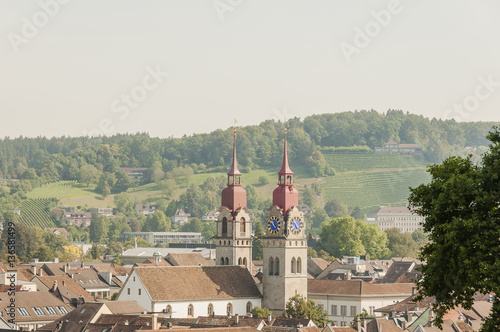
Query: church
229	287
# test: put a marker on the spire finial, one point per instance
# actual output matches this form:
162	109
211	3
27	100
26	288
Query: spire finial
285	169
234	166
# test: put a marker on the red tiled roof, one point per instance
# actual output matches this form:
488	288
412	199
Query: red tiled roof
355	287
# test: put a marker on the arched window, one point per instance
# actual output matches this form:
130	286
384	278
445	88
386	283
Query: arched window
271	266
168	309
229	309
245	261
239	261
293	265
227	261
210	309
299	265
190	310
249	307
222	261
224	226
242	225
277	268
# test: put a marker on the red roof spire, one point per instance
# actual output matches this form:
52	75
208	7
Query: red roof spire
234	196
285	196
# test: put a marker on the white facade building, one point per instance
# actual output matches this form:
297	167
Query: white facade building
397	217
192	291
343	299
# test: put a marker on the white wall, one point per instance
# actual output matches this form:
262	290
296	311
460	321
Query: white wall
179	308
144	299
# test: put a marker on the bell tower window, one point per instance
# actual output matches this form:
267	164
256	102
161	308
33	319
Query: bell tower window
224	226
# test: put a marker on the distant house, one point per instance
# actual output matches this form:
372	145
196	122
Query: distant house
180	217
145	209
397	217
393	147
78	218
134	172
102	211
164	237
210	215
17	211
59	231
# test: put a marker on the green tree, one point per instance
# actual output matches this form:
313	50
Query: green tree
122	182
88	174
261	312
401	244
341	237
257	248
336	209
98	229
263	180
318	218
193	225
374	241
461	210
123	204
298	307
419	237
44	253
156	222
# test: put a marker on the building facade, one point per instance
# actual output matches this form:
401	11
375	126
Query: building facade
397	217
165	237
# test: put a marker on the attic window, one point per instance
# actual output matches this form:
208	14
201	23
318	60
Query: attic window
23	312
62	310
50	310
38	311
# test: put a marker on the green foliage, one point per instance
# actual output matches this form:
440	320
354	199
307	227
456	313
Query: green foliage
298	307
257	247
347	149
401	244
261	312
462	214
157	222
319	217
374	241
336	209
312	253
99	228
88	174
341	237
124	204
263	180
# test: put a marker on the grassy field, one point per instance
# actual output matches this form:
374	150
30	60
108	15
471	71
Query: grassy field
343	162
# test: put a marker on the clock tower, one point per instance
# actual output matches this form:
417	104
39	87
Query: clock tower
284	244
233	240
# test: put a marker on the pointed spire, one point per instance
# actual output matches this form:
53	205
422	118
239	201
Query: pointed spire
234	166
285	169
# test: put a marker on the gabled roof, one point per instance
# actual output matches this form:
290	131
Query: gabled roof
115	269
338	329
24	274
87	278
381	325
68	288
31	300
401	271
82	315
125	307
190	259
197	282
356	287
316	265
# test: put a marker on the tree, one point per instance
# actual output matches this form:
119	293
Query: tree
257	248
88	174
298	307
341	237
123	204
336	209
263	180
122	183
374	241
98	229
461	210
156	222
401	244
318	218
261	312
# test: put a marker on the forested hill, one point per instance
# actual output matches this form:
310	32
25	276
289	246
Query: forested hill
62	158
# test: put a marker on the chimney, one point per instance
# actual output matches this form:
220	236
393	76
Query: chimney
33	269
379	327
65	268
413	290
237	319
154	325
358	324
269	318
82	265
125	322
54	286
40	272
64	282
56	260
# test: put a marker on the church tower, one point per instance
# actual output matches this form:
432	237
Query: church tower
284	244
233	240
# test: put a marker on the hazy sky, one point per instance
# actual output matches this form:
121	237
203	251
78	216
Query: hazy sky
175	67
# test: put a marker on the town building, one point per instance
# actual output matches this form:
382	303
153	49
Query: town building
164	237
145	209
393	147
134	172
191	291
210	215
400	217
180	217
343	299
77	218
102	211
140	254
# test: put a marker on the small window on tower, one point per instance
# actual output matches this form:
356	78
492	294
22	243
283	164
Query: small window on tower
288	179
230	180
237	180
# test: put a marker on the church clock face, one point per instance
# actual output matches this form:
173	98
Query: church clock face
273	225
296	225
